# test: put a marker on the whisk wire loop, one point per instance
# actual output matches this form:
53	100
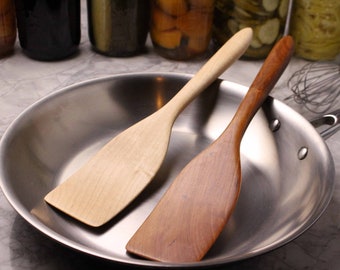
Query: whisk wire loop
316	85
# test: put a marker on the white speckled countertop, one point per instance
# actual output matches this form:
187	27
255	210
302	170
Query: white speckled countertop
24	81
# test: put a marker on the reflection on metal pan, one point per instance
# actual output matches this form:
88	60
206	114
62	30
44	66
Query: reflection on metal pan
281	195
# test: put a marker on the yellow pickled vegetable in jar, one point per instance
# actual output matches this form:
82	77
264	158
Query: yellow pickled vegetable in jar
315	28
181	29
267	18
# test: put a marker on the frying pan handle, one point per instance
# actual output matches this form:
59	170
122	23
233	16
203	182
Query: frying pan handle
332	120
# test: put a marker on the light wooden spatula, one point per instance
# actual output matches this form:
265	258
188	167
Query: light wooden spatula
196	207
110	180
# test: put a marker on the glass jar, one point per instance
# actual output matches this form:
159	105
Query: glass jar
48	29
315	28
8	30
181	29
118	27
267	18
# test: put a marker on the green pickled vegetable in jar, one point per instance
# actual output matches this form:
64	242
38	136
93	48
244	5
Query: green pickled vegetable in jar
267	18
315	28
118	28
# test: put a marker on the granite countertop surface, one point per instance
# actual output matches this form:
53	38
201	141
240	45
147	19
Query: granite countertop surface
23	81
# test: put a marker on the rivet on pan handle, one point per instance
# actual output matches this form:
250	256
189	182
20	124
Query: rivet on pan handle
329	119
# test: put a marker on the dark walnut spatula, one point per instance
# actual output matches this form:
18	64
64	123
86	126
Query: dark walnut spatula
196	207
110	180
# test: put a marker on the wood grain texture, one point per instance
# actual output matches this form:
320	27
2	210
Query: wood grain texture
117	174
196	207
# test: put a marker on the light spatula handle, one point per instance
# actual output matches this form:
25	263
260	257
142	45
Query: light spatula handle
232	50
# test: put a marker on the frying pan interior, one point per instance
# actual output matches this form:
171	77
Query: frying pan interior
283	192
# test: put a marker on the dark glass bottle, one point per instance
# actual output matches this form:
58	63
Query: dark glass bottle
48	29
8	29
118	27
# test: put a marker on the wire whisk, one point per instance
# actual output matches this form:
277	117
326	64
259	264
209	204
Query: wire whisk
316	86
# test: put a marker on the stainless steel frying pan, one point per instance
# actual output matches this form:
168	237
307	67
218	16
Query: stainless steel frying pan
288	172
